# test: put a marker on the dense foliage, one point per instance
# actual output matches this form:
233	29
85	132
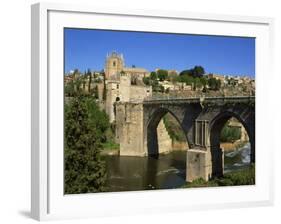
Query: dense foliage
230	133
174	129
235	178
85	126
194	77
162	74
82	84
196	72
214	84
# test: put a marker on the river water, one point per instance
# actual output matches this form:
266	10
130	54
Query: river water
126	173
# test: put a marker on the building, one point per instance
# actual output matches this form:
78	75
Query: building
217	77
119	85
115	66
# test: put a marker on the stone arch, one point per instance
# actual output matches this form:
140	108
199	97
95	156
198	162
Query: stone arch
151	130
216	125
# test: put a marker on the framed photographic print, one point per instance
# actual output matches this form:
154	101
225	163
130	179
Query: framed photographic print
148	111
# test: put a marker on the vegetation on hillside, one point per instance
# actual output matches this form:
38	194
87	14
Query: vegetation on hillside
214	84
194	77
230	133
82	84
174	129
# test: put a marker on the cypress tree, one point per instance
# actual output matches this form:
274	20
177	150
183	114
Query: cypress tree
84	169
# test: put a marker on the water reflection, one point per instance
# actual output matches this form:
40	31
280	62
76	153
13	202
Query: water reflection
127	173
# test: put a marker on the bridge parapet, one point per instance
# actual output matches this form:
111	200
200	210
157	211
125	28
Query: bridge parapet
202	99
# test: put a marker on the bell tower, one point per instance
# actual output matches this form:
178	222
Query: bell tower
114	65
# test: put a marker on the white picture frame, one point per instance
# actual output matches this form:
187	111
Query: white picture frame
47	198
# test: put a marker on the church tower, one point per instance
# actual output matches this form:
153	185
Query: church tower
114	65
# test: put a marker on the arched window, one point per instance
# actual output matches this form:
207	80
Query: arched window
114	63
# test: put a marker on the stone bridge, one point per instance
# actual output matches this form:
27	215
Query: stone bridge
201	119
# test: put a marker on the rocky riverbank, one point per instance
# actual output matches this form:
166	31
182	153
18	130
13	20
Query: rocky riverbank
176	145
232	146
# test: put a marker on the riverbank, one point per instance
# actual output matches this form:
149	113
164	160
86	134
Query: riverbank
110	149
232	146
179	146
235	178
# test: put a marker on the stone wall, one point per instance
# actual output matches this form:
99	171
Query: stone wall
140	92
164	140
129	129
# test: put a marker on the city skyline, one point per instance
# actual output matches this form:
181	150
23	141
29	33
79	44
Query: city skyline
87	49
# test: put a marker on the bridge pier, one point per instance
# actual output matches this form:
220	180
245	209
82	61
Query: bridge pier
198	164
217	160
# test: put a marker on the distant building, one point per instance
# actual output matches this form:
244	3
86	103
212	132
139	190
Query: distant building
217	76
115	66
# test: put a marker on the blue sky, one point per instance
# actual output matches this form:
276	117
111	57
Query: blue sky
217	54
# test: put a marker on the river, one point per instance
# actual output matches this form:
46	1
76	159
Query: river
126	173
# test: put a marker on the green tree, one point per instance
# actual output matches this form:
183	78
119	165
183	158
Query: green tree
104	88
218	84
146	81
153	76
95	92
162	74
84	78
198	71
75	73
69	89
186	72
186	79
214	84
155	86
230	134
73	88
204	81
89	76
197	83
84	130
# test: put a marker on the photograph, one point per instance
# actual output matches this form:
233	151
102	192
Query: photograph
154	111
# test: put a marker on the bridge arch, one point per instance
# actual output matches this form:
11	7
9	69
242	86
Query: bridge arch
151	130
215	128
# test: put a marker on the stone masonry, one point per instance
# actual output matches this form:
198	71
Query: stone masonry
201	121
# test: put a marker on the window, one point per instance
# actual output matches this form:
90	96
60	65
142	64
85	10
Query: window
114	63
